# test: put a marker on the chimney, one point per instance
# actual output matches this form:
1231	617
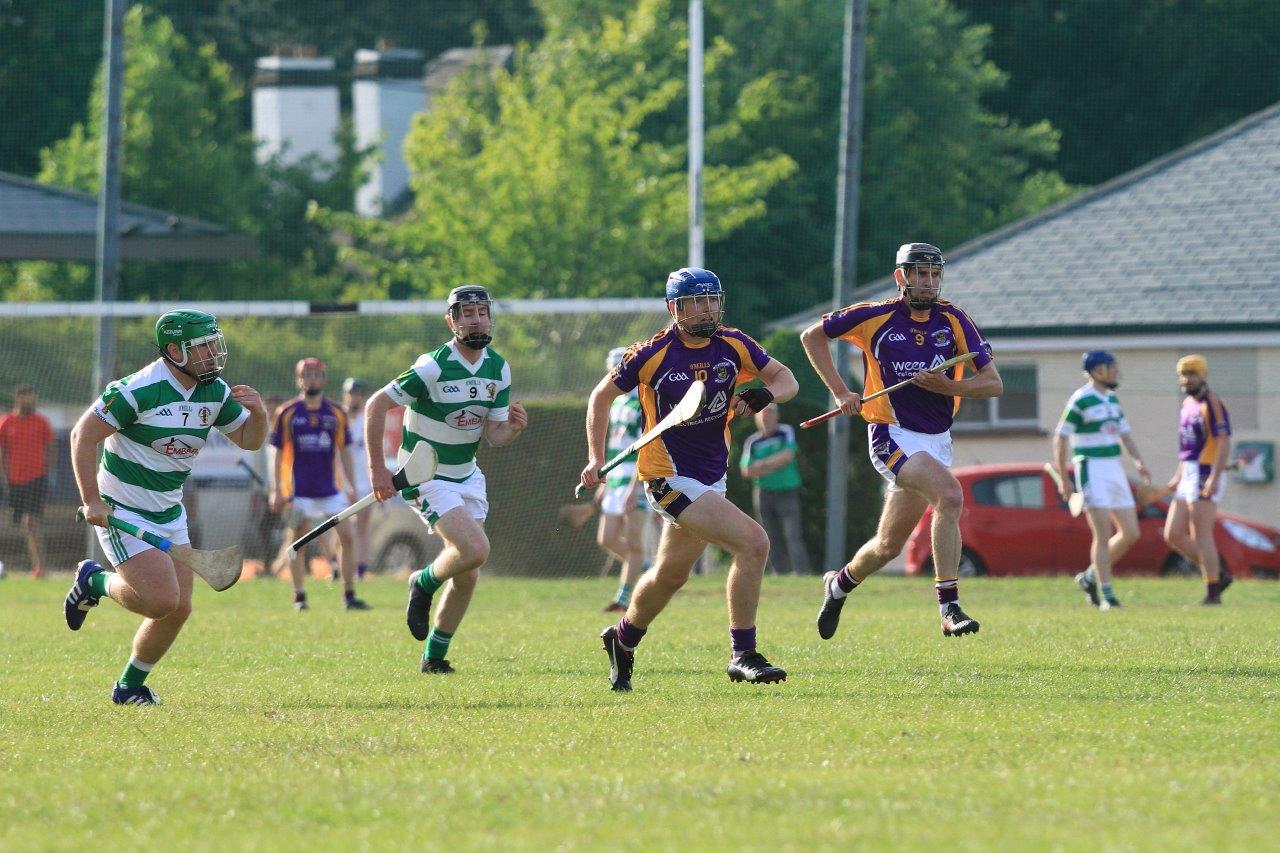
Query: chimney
388	92
295	107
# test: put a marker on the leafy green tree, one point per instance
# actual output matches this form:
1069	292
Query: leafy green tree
1128	82
549	182
187	150
48	52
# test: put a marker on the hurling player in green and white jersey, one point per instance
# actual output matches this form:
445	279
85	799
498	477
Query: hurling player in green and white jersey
154	424
623	509
1094	427
453	396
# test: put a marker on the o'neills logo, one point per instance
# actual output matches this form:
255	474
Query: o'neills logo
464	419
175	446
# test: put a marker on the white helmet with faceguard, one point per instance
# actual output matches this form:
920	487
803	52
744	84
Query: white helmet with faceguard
470	294
920	257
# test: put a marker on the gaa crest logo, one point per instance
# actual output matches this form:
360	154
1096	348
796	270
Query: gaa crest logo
492	390
941	338
722	372
204	416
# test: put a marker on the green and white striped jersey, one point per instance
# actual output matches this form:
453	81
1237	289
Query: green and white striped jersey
160	427
1094	422
626	424
448	400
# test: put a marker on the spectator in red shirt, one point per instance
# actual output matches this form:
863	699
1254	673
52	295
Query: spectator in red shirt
25	439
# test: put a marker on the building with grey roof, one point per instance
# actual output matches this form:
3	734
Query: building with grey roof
43	222
1181	255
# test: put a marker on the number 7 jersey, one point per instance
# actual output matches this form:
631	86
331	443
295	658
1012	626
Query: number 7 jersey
160	427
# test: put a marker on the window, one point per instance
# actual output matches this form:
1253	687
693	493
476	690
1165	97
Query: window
1017	407
1025	491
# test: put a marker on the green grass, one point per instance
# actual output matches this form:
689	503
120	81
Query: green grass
1056	727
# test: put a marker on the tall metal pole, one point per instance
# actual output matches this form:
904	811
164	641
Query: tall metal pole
845	265
696	242
107	280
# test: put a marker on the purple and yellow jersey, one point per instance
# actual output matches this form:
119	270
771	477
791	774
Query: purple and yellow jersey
309	441
664	367
895	347
1201	424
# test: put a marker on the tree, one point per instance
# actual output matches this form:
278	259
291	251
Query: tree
937	165
549	182
48	52
1129	82
186	150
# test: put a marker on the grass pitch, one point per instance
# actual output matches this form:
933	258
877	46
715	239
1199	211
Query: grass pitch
1056	727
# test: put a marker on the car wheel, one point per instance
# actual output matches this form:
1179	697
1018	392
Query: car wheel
403	552
1178	566
971	565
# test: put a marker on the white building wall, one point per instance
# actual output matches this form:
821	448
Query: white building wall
294	121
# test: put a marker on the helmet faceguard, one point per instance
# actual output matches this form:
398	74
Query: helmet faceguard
922	259
197	335
470	294
698	294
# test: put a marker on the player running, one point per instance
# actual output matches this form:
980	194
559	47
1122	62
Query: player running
683	471
1093	428
1204	448
622	505
908	431
154	424
454	395
311	438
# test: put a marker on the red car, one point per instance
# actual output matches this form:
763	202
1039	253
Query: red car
1014	523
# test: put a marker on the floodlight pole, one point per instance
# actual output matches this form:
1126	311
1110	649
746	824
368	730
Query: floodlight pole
696	241
107	279
107	276
845	265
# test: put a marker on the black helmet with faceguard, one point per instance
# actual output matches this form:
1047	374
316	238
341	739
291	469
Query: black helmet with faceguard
915	255
470	294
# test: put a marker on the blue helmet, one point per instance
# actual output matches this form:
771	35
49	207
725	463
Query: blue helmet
692	281
689	284
1096	358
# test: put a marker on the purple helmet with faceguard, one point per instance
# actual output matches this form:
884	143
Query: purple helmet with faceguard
918	255
685	287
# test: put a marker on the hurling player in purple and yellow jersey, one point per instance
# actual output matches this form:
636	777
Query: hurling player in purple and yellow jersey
683	470
1204	447
312	438
909	433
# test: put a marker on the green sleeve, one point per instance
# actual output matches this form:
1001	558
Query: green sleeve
115	402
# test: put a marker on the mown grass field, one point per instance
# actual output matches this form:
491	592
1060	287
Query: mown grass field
1057	727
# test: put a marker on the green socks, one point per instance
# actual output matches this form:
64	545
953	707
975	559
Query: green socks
98	585
437	644
135	672
427	579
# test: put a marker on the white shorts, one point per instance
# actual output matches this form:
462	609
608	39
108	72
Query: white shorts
890	446
120	546
612	502
436	497
670	496
1193	478
317	509
1103	483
